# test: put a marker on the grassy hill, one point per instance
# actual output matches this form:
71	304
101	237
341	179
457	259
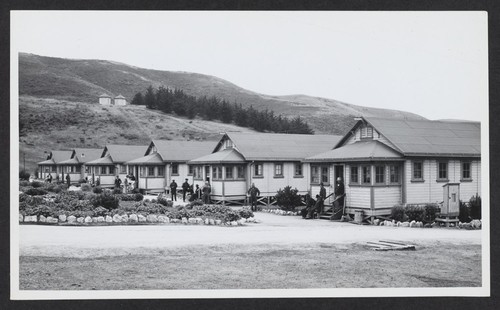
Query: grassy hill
85	80
54	124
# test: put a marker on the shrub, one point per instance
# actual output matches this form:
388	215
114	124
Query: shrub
288	198
97	190
430	211
246	213
81	181
106	200
464	214
36	191
162	199
59	188
117	191
475	207
398	213
100	211
24	183
414	212
24	175
86	187
138	197
36	184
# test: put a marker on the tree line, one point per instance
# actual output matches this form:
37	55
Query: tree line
175	101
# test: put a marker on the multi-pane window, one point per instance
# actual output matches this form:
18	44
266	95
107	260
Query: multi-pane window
191	170
442	170
366	132
111	169
354	174
123	169
366	174
175	169
418	170
217	172
229	172
161	171
240	172
319	174
466	175
298	169
379	174
394	174
103	170
151	171
229	144
278	170
258	170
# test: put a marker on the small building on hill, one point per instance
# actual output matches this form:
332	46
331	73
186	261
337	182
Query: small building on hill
270	161
120	100
76	166
166	160
52	164
111	163
384	162
105	99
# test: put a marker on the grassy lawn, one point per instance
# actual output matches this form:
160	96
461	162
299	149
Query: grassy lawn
262	266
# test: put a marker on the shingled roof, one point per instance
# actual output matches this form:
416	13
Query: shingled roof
359	151
86	155
121	153
224	156
55	157
182	151
430	138
267	146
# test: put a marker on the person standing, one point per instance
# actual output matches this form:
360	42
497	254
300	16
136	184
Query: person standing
68	180
98	181
339	191
185	189
197	192
118	182
253	192
322	194
206	190
173	190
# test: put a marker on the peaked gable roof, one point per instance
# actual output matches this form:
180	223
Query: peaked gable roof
106	160
58	156
224	156
270	146
428	138
86	155
358	151
122	153
183	151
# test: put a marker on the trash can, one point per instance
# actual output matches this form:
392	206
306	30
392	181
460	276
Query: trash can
358	216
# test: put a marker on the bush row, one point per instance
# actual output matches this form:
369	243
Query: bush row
415	212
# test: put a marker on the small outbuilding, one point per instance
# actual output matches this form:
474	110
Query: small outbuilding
120	100
105	99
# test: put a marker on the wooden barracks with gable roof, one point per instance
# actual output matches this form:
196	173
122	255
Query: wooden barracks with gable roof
383	162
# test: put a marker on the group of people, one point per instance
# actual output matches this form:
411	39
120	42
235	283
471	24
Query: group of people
318	205
48	179
195	193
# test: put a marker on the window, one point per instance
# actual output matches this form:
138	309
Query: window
229	144
366	175
418	171
217	172
103	170
298	170
151	171
466	175
53	168
123	169
86	169
366	132
241	172
143	171
78	169
443	171
229	172
354	174
278	170
191	170
197	173
111	169
394	174
379	174
161	171
258	170
319	174
175	169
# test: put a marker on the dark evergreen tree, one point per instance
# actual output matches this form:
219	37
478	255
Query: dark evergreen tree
138	99
150	98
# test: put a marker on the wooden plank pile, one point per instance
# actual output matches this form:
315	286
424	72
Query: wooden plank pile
390	245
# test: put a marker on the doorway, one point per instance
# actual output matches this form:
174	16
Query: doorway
338	172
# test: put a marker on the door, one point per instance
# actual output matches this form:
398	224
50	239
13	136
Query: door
454	200
207	173
339	172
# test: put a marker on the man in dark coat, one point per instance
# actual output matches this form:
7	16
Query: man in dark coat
173	190
197	192
68	180
316	207
206	190
118	182
322	194
253	192
185	189
339	191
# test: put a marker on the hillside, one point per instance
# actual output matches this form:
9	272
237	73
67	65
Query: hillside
85	80
53	124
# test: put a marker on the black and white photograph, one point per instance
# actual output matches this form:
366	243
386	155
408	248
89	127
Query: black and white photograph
249	154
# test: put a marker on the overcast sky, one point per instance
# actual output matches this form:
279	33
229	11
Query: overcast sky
430	63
